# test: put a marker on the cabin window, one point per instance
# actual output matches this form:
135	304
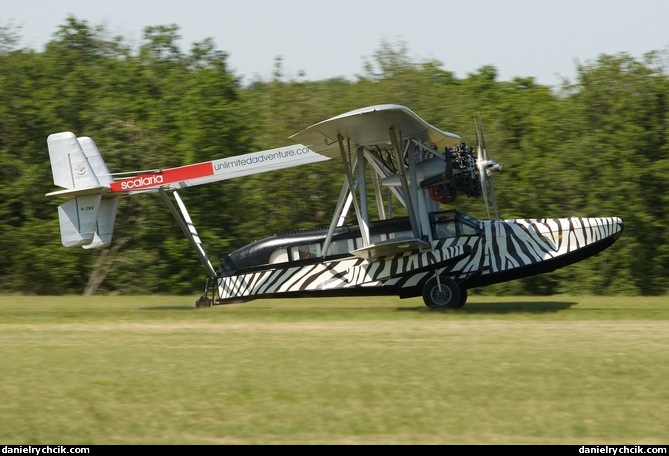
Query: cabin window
341	247
306	251
279	256
402	234
376	238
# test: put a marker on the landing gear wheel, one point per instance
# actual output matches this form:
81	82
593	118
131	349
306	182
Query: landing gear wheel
463	298
203	301
446	298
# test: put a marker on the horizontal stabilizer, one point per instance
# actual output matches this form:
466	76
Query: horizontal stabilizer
97	190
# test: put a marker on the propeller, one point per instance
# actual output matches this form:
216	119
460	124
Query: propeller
486	168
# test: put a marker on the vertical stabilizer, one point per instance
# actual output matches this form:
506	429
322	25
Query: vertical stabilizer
87	221
78	220
95	160
69	164
105	224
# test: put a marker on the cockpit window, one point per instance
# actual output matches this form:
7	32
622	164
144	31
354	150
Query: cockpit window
468	230
443	225
445	229
447	224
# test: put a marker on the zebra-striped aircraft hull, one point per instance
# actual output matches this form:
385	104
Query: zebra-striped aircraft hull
502	250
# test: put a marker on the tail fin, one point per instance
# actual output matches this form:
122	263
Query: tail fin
86	220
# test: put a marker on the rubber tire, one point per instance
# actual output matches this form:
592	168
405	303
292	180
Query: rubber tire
203	302
448	298
463	298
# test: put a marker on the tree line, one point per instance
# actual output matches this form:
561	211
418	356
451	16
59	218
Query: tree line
596	146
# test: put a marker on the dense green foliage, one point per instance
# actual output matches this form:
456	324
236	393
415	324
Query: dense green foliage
597	146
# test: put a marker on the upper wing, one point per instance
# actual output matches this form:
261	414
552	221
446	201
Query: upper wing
369	127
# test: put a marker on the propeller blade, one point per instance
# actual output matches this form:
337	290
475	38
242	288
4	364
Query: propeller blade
481	163
487	168
485	149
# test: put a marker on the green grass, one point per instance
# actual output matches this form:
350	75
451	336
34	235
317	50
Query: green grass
155	370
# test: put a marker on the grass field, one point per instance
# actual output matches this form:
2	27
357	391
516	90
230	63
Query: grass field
155	370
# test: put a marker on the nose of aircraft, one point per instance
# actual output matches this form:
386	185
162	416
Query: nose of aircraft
607	226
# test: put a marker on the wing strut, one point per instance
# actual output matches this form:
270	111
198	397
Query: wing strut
405	185
362	190
377	194
187	226
364	227
346	196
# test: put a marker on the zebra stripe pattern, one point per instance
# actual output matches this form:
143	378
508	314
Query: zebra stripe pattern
502	245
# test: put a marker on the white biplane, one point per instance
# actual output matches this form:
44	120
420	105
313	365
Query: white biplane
390	156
